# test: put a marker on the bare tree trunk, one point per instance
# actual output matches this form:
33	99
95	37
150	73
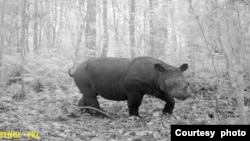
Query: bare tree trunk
35	36
240	84
41	23
151	31
227	51
80	31
22	94
236	72
27	20
203	36
48	25
105	26
91	27
54	25
189	43
17	37
174	43
132	28
116	42
2	39
99	39
155	44
59	32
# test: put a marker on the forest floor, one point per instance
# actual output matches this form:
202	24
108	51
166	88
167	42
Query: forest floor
49	112
52	113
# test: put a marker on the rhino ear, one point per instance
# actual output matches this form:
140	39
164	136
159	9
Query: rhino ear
159	68
184	67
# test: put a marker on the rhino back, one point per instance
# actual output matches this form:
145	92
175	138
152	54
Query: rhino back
142	75
104	75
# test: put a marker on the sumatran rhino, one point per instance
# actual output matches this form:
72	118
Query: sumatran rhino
123	79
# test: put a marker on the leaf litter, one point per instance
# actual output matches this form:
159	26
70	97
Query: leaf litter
53	114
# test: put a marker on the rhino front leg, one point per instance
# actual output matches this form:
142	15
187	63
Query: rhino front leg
169	106
134	102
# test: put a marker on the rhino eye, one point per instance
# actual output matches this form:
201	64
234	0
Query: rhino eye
169	82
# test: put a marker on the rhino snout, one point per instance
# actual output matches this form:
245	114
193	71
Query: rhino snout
181	94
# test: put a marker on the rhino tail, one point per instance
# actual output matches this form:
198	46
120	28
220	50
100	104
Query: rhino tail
70	74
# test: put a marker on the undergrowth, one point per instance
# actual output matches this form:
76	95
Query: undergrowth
49	107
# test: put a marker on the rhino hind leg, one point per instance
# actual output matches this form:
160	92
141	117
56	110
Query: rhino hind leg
93	102
82	102
89	99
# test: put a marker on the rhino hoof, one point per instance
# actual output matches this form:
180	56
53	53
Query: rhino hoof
134	118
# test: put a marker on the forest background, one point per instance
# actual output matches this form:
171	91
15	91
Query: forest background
41	39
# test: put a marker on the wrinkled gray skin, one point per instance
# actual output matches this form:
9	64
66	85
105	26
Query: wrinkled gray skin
122	79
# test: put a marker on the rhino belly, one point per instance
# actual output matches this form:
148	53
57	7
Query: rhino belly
111	93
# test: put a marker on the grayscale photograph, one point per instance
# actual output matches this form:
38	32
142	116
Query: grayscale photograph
124	70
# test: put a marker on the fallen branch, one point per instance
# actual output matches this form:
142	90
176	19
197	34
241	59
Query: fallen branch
97	110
